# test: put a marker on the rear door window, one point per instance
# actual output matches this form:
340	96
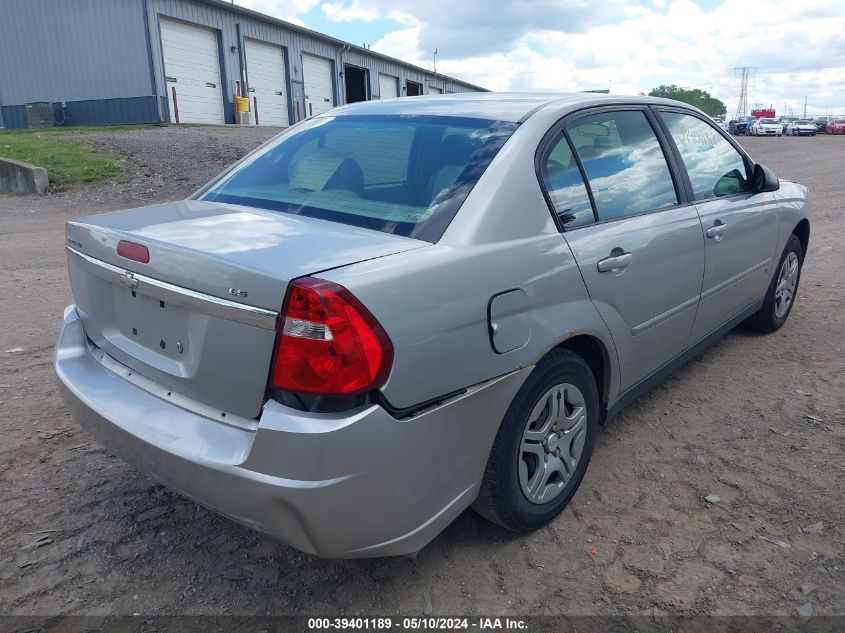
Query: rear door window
715	167
624	163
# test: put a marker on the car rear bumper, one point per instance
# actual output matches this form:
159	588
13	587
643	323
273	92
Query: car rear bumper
354	484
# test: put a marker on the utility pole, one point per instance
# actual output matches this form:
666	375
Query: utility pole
435	61
744	73
805	107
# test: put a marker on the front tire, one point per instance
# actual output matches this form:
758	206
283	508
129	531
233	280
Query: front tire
543	446
782	291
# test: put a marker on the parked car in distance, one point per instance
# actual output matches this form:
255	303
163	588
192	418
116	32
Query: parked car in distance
785	121
743	127
351	336
801	127
837	126
766	127
821	124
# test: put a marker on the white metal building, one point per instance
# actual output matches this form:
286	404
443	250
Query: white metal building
146	61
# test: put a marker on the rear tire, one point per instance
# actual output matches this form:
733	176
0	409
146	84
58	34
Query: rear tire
782	291
543	446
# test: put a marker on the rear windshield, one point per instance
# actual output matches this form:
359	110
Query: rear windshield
768	121
405	175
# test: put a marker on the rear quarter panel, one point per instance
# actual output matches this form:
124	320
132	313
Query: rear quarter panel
433	305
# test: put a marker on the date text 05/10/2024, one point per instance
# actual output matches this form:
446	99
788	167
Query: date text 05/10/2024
418	624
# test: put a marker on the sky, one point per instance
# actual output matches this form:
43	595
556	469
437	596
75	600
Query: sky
629	46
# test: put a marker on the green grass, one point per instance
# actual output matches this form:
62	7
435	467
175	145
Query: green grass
66	160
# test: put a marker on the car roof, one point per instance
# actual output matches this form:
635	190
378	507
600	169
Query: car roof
495	106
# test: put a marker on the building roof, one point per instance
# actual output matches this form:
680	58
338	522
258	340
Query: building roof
229	6
496	106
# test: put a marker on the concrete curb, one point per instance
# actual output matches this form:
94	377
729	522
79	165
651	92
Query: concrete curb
18	177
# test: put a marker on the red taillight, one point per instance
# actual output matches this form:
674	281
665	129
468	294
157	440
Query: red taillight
133	251
328	342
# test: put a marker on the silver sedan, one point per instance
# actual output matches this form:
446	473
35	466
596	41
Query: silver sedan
400	309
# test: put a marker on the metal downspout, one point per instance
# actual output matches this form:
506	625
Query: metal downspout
241	59
342	71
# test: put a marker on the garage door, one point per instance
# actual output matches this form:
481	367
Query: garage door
192	68
388	86
267	82
434	90
317	81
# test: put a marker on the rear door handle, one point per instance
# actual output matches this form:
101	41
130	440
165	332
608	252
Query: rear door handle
717	230
614	262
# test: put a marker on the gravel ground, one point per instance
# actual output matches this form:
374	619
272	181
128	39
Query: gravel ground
83	533
165	163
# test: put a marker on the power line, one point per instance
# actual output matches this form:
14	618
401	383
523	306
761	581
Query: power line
745	73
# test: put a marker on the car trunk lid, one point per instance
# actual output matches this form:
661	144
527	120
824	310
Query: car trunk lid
200	317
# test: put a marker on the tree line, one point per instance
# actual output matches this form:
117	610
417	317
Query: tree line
701	99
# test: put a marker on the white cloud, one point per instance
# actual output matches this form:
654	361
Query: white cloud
563	45
405	19
349	11
797	49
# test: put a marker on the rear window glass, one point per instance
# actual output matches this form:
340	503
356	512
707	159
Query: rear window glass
405	175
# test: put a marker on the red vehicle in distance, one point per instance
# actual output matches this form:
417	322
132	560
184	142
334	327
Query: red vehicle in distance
837	126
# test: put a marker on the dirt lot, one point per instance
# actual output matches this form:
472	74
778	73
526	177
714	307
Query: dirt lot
638	538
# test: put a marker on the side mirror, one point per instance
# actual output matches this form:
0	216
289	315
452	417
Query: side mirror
764	179
729	184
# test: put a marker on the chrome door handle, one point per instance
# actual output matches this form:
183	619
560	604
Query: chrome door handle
615	262
717	230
